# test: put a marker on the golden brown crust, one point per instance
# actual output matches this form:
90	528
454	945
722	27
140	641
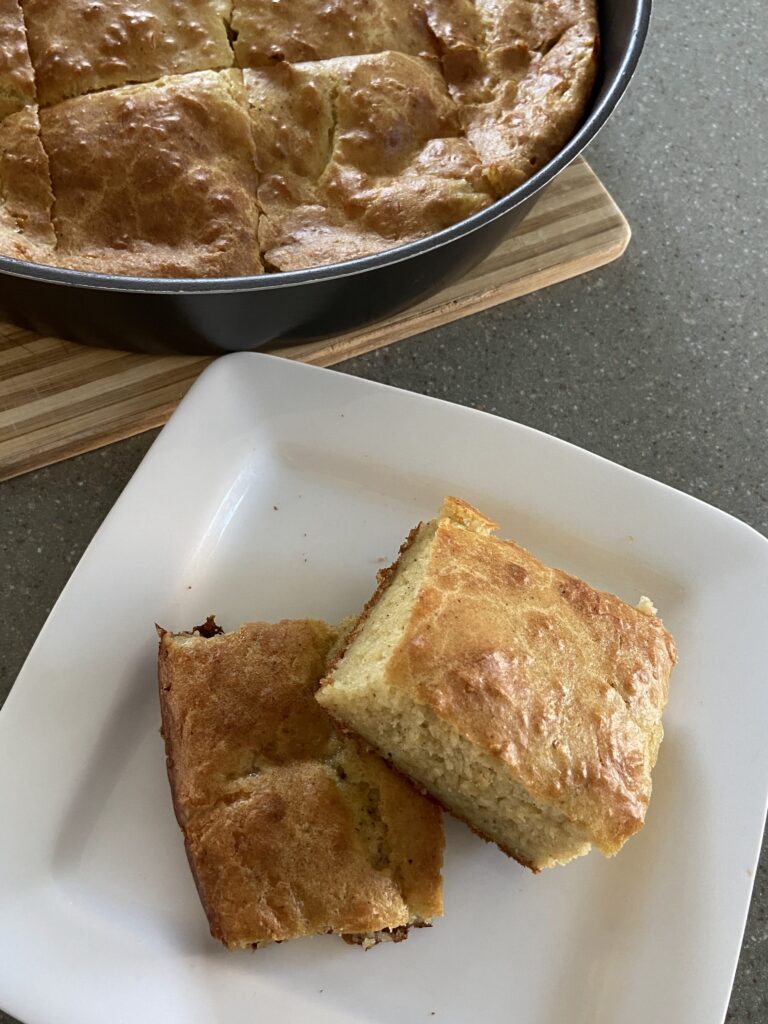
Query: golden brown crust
356	155
563	684
313	30
83	46
374	124
522	71
289	829
17	83
156	179
26	230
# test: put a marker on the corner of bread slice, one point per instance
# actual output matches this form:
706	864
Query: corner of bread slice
410	566
460	513
367	640
368	644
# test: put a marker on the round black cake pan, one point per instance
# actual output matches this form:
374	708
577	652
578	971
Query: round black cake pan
232	314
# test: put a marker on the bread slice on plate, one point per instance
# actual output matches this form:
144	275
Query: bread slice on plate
290	829
527	703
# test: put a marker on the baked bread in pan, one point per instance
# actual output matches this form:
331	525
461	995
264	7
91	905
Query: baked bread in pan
370	124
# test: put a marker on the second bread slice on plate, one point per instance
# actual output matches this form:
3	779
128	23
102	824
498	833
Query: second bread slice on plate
290	829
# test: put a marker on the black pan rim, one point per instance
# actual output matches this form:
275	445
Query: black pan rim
593	123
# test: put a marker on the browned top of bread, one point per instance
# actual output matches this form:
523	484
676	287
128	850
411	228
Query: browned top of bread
374	123
17	83
26	231
289	829
522	72
82	46
156	179
562	683
357	154
311	30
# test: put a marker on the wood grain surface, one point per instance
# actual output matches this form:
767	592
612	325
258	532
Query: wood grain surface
59	399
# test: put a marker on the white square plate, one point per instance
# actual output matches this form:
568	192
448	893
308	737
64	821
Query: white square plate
277	490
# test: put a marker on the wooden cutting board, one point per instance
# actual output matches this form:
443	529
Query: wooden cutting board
59	399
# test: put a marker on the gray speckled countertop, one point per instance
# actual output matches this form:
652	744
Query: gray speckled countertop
659	362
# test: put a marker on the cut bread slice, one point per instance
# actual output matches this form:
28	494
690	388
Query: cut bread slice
290	829
26	199
17	79
528	704
356	155
268	33
154	200
82	46
522	73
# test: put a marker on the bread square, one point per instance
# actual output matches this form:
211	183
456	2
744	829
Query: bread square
156	179
270	31
17	82
526	702
290	829
522	73
82	46
357	155
26	228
